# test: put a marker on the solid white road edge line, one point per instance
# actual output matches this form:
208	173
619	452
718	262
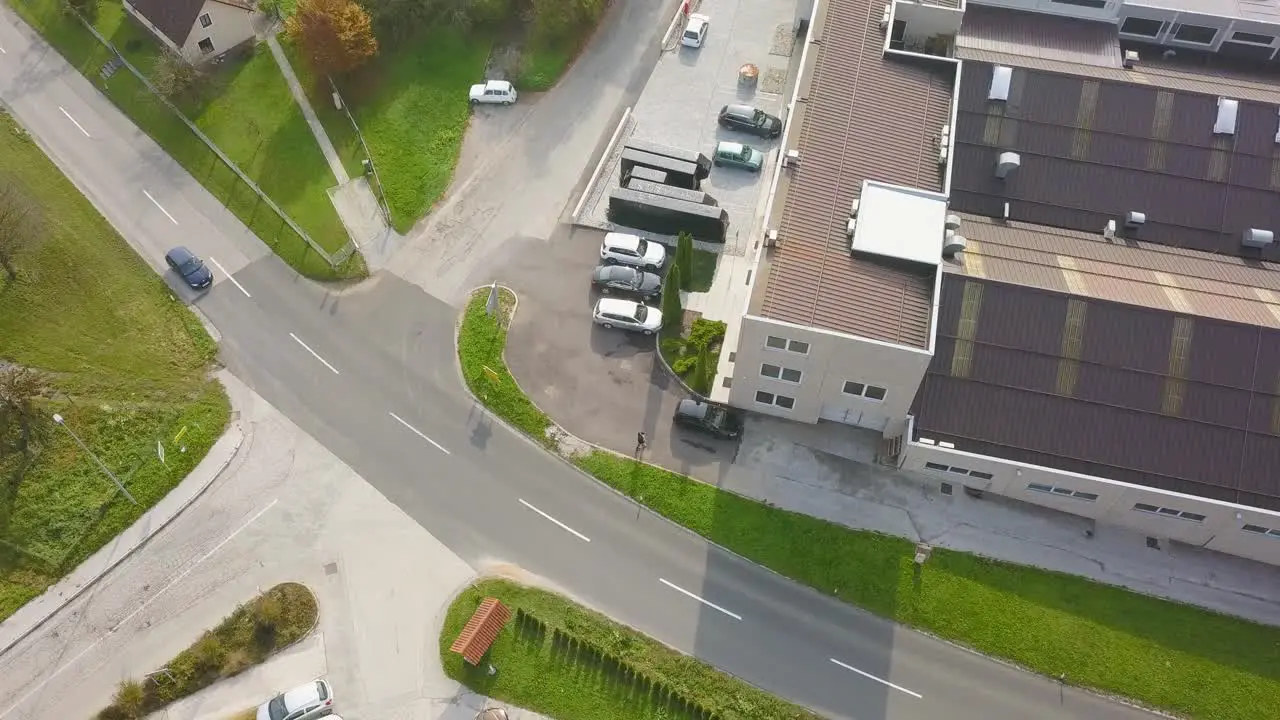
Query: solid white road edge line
418	432
708	603
233	280
314	354
141	607
882	681
157	204
73	122
564	527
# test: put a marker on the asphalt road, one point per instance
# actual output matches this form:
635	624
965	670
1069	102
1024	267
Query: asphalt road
370	373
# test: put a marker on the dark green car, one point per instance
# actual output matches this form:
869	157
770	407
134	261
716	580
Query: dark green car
738	155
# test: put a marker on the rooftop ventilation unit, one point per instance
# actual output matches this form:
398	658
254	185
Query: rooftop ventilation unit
1001	76
1006	211
1109	230
953	223
791	159
1134	219
849	228
1225	124
853	208
1130	59
1255	238
1278	127
952	244
1007	163
884	19
944	143
771	238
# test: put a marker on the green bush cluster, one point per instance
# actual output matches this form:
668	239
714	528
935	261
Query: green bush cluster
249	635
695	357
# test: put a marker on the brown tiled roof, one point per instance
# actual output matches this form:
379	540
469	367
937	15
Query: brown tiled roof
1036	37
1134	394
1091	151
862	116
1174	280
481	630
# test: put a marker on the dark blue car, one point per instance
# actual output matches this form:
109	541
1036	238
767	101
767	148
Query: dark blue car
191	268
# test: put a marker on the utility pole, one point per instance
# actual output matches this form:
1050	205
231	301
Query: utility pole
58	419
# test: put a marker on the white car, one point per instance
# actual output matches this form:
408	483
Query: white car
626	314
499	92
305	702
695	31
627	249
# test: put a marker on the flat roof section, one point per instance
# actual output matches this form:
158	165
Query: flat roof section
1260	10
861	115
1158	277
901	223
1134	394
1092	151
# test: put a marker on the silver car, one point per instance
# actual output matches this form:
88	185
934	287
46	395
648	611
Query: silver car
627	315
305	702
627	249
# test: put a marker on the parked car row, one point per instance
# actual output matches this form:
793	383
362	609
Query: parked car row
629	266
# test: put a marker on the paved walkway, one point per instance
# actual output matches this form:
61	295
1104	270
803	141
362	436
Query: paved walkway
31	616
300	95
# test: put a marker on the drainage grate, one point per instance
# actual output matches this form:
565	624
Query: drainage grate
946	488
1153	543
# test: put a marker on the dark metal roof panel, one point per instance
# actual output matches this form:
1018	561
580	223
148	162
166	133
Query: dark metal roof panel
1038	36
843	140
174	18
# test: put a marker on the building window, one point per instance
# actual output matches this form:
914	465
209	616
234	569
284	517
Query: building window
1142	27
796	346
1198	34
206	46
1095	4
939	467
1254	38
870	392
1062	491
1168	512
205	20
1258	529
768	398
777	372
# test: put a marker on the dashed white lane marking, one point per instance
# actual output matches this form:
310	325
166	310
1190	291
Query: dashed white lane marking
564	527
314	354
708	603
882	681
157	204
140	608
73	122
418	432
233	280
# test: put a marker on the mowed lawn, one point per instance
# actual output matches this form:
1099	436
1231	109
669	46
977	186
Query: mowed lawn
411	104
245	109
129	365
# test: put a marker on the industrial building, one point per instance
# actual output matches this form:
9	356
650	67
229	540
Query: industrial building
1032	243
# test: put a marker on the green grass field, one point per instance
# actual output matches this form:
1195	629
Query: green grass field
1163	654
537	674
247	111
129	365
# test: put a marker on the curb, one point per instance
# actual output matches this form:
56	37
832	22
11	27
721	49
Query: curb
91	582
595	176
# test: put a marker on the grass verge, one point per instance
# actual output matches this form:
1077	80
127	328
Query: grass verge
540	672
481	341
245	108
411	104
128	367
1163	654
252	633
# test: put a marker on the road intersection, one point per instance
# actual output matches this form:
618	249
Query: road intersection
369	372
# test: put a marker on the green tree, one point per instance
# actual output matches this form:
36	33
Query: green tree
684	256
703	372
672	312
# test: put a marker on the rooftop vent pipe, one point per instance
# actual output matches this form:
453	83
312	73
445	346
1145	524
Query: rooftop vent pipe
953	244
1255	238
1007	163
1134	219
1130	59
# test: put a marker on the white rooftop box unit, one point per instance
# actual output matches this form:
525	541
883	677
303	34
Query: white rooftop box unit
1130	59
1001	78
899	222
1255	238
1007	163
1134	219
1225	124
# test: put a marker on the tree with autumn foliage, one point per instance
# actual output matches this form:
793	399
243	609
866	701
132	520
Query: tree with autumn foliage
336	36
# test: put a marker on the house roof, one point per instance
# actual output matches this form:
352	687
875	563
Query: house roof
1092	150
862	115
176	18
1127	392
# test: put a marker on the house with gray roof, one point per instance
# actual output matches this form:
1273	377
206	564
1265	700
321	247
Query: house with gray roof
198	30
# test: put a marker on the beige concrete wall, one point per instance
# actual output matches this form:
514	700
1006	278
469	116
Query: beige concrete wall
832	358
1222	528
231	26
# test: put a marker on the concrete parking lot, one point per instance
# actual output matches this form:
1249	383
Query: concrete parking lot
682	100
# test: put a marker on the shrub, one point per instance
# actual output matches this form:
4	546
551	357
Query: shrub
706	333
236	662
88	9
129	698
208	654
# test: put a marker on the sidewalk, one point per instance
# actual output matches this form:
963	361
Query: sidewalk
32	615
